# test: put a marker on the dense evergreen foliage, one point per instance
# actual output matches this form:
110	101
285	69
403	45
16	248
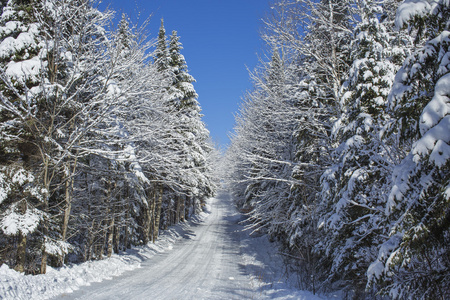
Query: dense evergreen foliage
101	138
341	151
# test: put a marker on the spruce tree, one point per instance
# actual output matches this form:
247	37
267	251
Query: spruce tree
182	90
21	67
189	139
193	132
355	186
414	261
161	55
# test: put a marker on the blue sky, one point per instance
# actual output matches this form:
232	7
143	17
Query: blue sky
220	39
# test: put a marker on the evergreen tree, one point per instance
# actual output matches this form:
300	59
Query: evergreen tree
324	62
182	89
355	186
189	138
21	67
414	261
192	131
161	55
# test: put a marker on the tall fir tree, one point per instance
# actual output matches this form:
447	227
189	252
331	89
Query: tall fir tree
193	132
21	189
182	88
356	185
161	55
414	261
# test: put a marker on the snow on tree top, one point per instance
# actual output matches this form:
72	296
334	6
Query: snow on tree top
411	8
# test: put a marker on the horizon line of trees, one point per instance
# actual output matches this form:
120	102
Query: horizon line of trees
102	144
341	151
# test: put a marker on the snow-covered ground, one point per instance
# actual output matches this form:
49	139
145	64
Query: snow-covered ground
208	258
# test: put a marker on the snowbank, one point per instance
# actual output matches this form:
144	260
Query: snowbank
267	272
15	285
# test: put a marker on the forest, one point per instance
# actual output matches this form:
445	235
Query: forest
341	151
101	138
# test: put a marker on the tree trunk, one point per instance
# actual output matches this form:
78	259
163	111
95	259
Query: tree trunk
126	237
177	212
67	208
21	253
90	244
47	180
153	214
44	259
182	208
110	234
116	240
111	226
127	216
157	214
172	212
148	219
68	204
101	243
44	234
68	200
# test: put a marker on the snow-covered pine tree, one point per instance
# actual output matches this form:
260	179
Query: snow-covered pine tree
161	55
414	261
192	134
182	89
170	138
22	193
355	187
319	32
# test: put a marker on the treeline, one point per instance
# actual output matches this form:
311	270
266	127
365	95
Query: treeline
342	149
101	138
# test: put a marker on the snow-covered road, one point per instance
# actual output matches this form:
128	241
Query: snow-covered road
203	265
216	259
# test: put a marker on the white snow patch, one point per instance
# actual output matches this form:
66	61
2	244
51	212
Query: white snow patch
410	8
440	154
14	222
438	107
435	125
25	69
428	141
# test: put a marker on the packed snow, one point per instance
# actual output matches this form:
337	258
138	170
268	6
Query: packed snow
210	257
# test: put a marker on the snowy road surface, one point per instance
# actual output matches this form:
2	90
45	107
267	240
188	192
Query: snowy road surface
215	260
204	265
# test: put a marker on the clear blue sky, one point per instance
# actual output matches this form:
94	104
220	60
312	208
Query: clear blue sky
220	38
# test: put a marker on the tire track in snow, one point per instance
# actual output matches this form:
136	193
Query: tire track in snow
205	265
